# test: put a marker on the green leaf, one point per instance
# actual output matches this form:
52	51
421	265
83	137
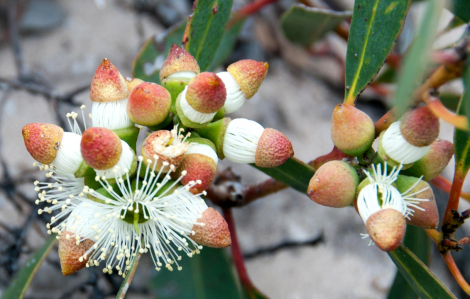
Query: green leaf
462	138
227	45
415	61
205	30
375	26
207	275
147	63
23	278
461	8
417	241
419	277
293	172
305	25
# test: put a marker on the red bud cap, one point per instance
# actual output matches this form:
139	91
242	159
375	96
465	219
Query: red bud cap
148	104
71	254
132	83
199	168
107	84
334	185
249	74
101	148
386	228
420	127
206	93
42	141
178	60
352	131
211	230
273	149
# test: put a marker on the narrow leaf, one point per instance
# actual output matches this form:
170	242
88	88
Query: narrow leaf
146	65
205	29
419	277
23	278
417	241
375	26
462	138
461	8
227	45
305	25
207	275
416	60
293	172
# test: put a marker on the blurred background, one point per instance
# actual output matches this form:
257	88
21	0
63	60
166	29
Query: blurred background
294	248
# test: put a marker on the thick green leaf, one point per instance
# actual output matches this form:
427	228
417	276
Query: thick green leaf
417	241
419	277
227	45
23	278
305	25
208	275
415	62
462	138
461	8
147	63
375	26
205	29
293	172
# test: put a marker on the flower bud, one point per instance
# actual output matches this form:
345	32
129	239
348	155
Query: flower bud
109	95
420	127
132	82
334	185
211	230
200	164
164	147
200	100
352	131
246	141
386	228
249	74
107	84
71	254
101	148
42	141
178	61
425	214
215	132
148	104
434	162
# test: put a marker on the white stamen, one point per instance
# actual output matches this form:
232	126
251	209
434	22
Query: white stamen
182	75
68	157
241	140
235	96
203	149
125	162
191	113
111	115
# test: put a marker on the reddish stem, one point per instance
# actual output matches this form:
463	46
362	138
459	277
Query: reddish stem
443	184
384	122
436	106
335	154
237	254
248	10
454	196
456	272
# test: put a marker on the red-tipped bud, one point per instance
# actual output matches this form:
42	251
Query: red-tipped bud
132	83
107	84
434	162
273	149
420	127
206	93
101	148
334	185
211	230
148	104
178	60
71	254
249	74
386	228
425	213
42	141
352	131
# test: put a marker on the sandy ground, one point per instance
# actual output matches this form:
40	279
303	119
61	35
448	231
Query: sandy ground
291	100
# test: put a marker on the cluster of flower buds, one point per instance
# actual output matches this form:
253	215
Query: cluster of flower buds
394	191
110	201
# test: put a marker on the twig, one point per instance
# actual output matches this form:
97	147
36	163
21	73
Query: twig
443	184
454	196
283	245
436	106
248	10
456	272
